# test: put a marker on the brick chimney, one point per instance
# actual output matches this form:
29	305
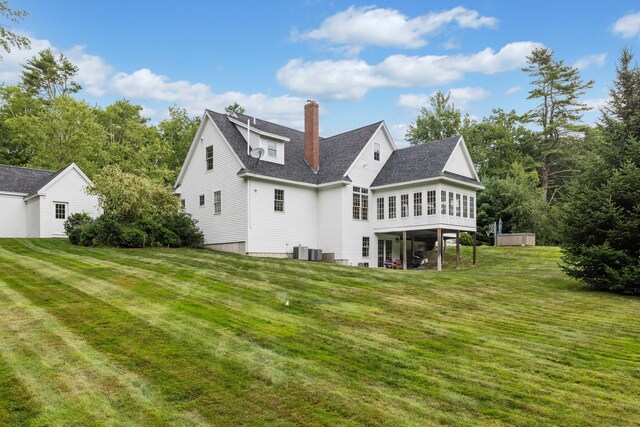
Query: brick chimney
311	135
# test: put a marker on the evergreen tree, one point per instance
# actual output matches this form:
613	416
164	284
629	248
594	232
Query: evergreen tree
48	77
601	215
558	87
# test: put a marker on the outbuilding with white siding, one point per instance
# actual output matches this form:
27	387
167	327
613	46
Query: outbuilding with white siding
36	202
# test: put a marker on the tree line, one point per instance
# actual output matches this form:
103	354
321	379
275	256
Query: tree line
548	173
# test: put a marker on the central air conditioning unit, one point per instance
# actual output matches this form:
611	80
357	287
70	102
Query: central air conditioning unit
315	255
301	252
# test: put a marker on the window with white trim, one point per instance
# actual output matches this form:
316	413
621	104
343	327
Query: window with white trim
365	247
61	211
217	202
209	157
360	203
431	202
278	200
376	151
380	202
443	202
472	207
465	206
451	211
392	207
417	204
201	200
458	204
404	205
272	149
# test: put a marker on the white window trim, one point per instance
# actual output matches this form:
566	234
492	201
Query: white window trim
204	199
214	202
276	200
206	159
273	144
55	210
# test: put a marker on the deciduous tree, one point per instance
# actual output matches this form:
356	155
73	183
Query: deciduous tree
442	121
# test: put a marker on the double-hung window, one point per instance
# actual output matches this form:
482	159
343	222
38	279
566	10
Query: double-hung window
472	207
209	157
380	202
458	204
202	200
465	206
451	212
278	200
376	151
217	202
365	247
443	202
392	207
360	203
417	204
272	149
404	205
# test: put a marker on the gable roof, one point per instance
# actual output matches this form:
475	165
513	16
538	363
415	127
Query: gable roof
16	179
337	153
420	162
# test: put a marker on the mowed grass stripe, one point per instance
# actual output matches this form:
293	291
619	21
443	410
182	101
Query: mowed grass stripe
187	375
456	348
18	407
71	382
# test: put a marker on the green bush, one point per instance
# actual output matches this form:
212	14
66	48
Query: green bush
74	224
104	231
132	237
169	238
186	228
465	239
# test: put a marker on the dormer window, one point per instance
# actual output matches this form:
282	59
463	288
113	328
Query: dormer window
376	151
272	149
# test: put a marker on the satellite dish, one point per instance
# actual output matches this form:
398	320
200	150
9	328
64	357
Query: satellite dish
257	153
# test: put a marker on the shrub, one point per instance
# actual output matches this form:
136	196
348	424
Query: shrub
169	238
104	231
186	228
74	224
465	239
132	237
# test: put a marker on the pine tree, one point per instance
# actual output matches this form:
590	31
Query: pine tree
602	213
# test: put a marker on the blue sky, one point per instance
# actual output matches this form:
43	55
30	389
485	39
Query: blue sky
362	61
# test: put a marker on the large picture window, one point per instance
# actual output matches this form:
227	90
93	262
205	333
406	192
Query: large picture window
392	207
431	202
278	200
209	157
404	205
380	207
217	202
360	203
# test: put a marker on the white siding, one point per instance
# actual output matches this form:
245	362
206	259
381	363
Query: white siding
69	188
33	217
231	224
272	232
13	216
330	216
423	221
459	163
362	173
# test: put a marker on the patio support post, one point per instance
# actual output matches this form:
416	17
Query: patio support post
404	250
440	254
473	235
457	248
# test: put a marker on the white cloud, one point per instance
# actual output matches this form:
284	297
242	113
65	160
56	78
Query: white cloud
597	103
398	131
156	91
461	97
627	26
361	26
352	79
513	90
589	60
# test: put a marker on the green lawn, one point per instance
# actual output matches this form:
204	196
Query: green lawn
193	337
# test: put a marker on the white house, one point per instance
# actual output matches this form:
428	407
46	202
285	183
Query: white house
35	202
354	195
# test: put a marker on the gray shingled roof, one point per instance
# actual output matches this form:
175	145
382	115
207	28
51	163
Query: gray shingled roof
419	162
15	179
337	153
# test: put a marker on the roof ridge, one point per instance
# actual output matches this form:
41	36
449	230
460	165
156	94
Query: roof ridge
353	130
28	168
262	120
435	141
